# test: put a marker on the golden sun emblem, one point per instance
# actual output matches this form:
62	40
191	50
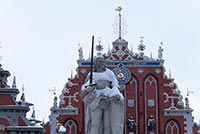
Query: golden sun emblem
120	75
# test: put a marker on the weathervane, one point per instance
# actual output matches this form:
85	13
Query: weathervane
53	90
189	92
119	23
119	9
55	98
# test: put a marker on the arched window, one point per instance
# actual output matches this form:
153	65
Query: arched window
71	127
151	101
172	128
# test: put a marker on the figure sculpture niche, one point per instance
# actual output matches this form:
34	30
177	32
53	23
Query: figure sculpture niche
131	125
103	102
151	124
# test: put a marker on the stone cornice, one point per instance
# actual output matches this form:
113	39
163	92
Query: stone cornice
24	128
9	91
12	109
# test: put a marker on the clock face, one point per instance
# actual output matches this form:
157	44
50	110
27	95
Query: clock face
122	74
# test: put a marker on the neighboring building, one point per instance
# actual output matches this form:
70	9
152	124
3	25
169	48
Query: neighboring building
12	112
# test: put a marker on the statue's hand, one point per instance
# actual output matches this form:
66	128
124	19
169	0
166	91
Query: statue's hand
90	88
87	89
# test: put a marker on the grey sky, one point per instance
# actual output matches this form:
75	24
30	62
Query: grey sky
40	38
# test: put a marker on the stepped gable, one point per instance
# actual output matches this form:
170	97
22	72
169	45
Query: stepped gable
120	51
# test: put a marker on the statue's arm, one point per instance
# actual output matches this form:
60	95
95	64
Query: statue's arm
86	87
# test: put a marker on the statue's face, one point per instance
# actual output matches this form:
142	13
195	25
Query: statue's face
100	64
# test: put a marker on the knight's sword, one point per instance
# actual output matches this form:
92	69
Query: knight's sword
91	64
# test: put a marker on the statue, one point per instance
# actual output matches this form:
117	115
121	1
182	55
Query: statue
151	124
103	102
60	129
131	125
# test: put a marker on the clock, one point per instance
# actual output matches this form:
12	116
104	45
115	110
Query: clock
122	74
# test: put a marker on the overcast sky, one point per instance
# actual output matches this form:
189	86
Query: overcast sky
39	40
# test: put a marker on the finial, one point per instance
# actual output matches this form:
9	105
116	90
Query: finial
80	51
141	47
170	74
119	9
43	122
187	105
118	24
23	95
141	39
33	114
99	47
14	82
131	50
151	55
108	50
160	51
161	43
71	73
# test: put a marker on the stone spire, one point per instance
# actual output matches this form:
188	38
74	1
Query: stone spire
14	82
33	114
108	53
22	100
